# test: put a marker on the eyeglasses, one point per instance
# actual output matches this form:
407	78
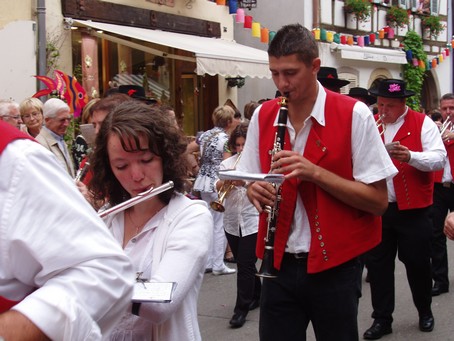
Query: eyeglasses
28	116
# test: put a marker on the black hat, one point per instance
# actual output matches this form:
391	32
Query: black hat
358	92
391	88
328	77
137	92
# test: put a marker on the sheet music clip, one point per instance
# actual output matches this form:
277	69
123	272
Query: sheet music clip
139	279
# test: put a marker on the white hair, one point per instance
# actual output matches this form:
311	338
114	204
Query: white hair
6	105
53	106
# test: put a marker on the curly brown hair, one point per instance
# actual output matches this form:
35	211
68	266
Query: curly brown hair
130	121
239	131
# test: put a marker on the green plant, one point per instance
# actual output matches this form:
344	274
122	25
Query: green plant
397	16
78	72
359	8
433	24
414	76
53	46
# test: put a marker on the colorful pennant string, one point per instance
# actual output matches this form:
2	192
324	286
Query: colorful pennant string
266	36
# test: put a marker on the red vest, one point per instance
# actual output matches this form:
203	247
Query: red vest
414	188
449	145
338	232
8	133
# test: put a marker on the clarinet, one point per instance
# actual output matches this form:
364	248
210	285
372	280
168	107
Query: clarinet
267	269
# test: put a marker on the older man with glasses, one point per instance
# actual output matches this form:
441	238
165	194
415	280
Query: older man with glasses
9	112
57	118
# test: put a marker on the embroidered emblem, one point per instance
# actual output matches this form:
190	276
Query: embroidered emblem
394	87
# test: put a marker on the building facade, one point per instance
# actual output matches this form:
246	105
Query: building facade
361	65
181	52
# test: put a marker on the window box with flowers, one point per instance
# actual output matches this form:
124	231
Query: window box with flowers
397	17
433	25
360	9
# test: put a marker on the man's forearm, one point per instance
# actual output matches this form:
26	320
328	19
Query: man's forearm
16	326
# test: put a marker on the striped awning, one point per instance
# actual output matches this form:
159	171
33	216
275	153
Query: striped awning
130	79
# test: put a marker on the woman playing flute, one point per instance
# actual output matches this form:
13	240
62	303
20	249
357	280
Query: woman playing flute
168	236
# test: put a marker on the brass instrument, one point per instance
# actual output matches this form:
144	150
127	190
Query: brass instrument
148	194
218	205
267	269
446	126
81	173
381	126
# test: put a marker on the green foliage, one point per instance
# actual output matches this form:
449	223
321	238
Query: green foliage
360	8
397	16
78	72
414	75
52	53
433	24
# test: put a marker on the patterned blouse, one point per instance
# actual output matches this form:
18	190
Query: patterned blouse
211	149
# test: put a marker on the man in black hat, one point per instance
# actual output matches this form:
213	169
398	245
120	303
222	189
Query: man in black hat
416	149
327	76
362	95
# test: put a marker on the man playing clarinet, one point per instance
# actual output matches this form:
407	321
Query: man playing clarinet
335	168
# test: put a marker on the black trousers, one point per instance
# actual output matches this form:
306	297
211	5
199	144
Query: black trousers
443	203
247	283
406	233
329	300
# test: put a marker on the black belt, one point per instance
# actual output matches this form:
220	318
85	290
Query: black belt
445	184
298	256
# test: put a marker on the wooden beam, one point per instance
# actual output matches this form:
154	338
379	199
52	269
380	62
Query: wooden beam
111	13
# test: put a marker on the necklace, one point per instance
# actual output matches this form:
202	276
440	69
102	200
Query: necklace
138	227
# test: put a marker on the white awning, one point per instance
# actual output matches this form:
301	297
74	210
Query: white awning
370	54
213	56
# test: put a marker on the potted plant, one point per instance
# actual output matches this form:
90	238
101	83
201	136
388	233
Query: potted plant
433	24
359	8
414	76
397	16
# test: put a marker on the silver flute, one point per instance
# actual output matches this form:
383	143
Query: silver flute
148	194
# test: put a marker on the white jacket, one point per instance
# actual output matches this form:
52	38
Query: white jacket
172	247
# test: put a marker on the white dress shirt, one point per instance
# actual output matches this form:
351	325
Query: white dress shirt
55	249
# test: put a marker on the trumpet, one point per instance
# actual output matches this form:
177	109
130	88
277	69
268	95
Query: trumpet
148	194
218	205
81	173
446	126
381	126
